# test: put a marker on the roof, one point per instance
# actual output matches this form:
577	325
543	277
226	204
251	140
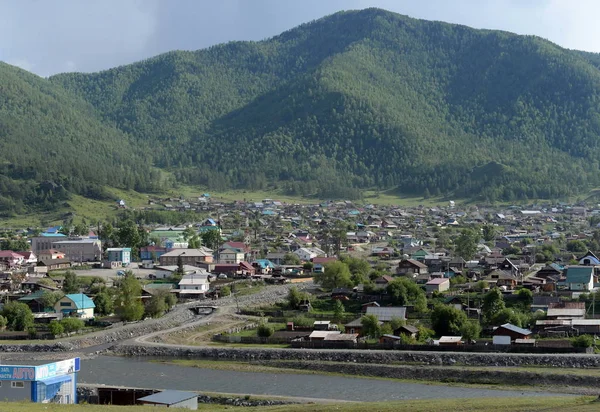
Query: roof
10	254
356	323
415	263
409	328
322	333
515	329
579	274
76	242
450	339
186	252
341	336
81	301
169	397
438	281
565	312
386	314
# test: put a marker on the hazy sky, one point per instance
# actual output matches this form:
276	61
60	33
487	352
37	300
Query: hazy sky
51	36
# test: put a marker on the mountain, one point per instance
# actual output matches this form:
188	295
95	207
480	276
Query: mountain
364	99
54	144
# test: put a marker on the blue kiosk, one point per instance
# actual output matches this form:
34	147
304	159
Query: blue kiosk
50	383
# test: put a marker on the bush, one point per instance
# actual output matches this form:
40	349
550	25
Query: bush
265	330
55	328
302	321
72	324
225	291
582	341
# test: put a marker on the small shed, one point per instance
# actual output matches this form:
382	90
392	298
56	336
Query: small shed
437	285
172	399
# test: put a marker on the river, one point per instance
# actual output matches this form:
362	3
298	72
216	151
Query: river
142	373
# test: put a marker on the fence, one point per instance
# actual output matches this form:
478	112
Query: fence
433	348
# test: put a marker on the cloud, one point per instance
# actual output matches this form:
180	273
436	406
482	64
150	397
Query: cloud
65	35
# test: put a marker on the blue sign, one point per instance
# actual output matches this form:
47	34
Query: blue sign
17	373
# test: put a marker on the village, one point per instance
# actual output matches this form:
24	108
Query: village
470	277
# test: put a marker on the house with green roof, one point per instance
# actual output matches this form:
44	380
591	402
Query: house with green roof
580	278
76	305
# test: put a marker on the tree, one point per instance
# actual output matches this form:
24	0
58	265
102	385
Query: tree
493	302
308	266
507	315
466	244
447	320
225	291
338	311
128	304
128	235
189	233
335	275
404	291
156	305
291	259
3	322
56	328
104	303
170	300
470	330
359	269
180	268
18	315
488	232
48	299
396	322
370	326
525	296
72	324
576	246
70	283
295	297
212	238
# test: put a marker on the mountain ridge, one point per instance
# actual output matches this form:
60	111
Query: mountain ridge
356	100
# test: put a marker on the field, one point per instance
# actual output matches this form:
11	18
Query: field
581	404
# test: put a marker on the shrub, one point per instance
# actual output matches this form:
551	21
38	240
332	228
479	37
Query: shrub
225	291
56	328
265	330
582	341
72	324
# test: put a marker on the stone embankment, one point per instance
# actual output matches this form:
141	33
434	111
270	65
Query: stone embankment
382	357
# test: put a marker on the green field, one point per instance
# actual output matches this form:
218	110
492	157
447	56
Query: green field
583	404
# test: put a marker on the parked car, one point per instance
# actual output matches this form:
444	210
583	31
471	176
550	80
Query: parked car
222	276
120	273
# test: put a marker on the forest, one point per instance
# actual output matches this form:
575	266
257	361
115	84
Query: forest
357	100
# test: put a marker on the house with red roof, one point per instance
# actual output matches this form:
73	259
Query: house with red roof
11	259
28	257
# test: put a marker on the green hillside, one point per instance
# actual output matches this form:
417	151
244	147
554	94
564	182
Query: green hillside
53	145
365	99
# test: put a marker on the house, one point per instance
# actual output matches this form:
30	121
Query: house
389	339
322	334
364	306
589	259
192	285
80	249
28	257
34	301
320	262
50	254
122	255
44	242
11	259
566	310
187	257
46	265
407	330
263	266
448	341
306	254
76	304
152	252
231	256
503	278
383	281
437	285
386	314
580	278
511	332
411	267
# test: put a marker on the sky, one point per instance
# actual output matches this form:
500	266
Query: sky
48	37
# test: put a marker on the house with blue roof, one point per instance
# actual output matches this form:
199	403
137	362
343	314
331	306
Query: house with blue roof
263	266
76	305
580	278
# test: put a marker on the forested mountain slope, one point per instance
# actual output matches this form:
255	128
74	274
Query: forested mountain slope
53	144
365	99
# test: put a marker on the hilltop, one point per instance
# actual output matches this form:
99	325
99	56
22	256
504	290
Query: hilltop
357	100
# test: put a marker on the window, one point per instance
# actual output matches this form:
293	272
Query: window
65	304
17	384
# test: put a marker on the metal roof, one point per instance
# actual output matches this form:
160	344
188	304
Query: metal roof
169	397
579	274
515	329
81	301
385	314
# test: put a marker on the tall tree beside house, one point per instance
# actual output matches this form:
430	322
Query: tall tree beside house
212	238
493	303
338	311
70	283
370	326
488	232
180	268
128	303
466	244
48	299
335	275
447	320
291	259
104	302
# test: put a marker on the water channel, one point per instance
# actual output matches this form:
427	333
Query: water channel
142	373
